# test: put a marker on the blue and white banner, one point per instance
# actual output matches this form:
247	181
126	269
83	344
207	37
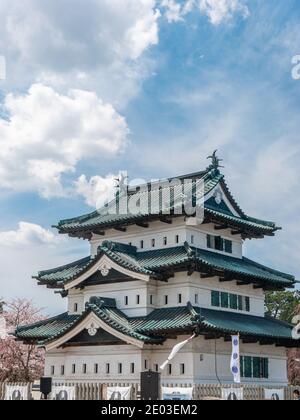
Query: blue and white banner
235	366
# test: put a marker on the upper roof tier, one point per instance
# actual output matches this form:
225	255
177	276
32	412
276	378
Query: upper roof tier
162	264
223	212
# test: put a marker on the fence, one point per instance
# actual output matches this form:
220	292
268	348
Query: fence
88	391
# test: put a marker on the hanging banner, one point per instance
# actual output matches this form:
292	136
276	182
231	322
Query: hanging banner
175	351
63	393
16	393
274	394
177	394
232	394
235	366
119	393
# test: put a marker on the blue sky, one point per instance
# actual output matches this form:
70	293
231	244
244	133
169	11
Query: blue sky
151	87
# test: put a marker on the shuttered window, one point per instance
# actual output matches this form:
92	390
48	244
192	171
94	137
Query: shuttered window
240	303
233	302
228	247
224	300
247	304
254	367
215	299
248	367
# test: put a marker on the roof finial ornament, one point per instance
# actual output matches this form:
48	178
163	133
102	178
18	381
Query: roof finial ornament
121	186
215	161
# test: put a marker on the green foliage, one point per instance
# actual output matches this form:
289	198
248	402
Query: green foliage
282	305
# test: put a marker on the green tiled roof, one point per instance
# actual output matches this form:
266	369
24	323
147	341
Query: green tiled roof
102	219
154	328
164	320
157	262
50	328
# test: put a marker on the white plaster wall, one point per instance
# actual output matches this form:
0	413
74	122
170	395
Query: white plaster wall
187	286
119	291
198	358
159	230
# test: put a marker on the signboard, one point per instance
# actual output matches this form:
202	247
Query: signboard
232	394
63	393
274	394
119	393
16	393
177	394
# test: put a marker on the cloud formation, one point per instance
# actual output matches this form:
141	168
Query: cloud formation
48	134
217	11
96	191
96	44
28	234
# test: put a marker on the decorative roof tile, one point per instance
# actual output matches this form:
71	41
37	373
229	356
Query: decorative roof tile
157	262
154	328
105	219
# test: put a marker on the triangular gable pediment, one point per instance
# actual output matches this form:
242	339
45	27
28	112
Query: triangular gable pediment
104	266
220	199
92	324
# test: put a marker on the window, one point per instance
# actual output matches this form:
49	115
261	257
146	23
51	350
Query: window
151	299
76	307
120	368
230	301
166	300
254	367
169	369
107	370
228	246
215	299
138	299
182	369
52	370
192	239
142	244
219	244
156	367
132	368
196	298
233	302
180	298
73	369
126	300
84	369
224	300
165	241
96	368
153	243
247	304
177	239
146	364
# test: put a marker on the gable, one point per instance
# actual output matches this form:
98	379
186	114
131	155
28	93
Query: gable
102	337
114	276
219	199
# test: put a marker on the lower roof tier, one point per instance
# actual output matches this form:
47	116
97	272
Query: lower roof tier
160	325
163	263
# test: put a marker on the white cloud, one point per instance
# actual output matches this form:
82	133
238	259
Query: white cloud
48	134
222	10
97	190
96	44
217	11
28	234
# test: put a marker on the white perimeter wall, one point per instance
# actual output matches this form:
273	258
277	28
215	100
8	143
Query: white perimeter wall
198	358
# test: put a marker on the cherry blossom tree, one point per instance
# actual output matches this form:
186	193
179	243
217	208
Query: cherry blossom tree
19	362
294	363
